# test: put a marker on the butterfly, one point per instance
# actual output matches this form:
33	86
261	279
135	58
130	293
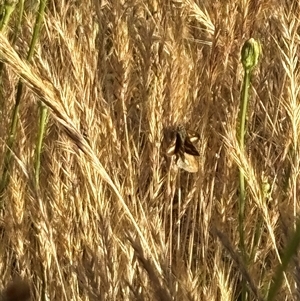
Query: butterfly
183	148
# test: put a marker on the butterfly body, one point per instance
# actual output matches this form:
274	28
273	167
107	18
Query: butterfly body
183	148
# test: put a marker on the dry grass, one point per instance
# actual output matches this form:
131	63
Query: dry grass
113	218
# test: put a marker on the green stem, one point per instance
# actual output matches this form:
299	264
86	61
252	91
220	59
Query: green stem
13	129
249	57
9	7
39	144
43	109
10	143
37	29
243	112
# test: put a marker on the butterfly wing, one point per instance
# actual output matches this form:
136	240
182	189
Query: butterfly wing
193	136
189	148
175	145
188	162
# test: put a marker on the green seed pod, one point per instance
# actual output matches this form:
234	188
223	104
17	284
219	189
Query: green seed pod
250	54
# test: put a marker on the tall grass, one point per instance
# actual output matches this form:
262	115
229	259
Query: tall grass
102	213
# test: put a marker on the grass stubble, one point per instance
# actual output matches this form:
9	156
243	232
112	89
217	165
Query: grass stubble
109	216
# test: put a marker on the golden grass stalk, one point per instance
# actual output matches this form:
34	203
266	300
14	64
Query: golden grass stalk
112	218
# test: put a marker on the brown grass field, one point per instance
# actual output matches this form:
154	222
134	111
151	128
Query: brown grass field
110	216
